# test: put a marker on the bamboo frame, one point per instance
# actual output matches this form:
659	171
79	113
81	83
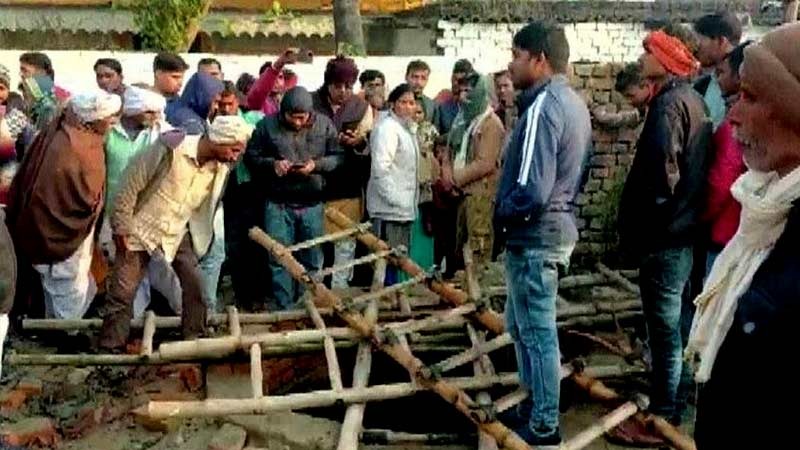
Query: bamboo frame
148	333
490	319
415	367
256	372
334	372
350	264
338	235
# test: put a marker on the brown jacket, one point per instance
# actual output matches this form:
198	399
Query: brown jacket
480	175
57	195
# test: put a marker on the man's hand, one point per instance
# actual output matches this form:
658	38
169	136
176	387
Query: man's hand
282	167
289	56
308	168
349	139
120	242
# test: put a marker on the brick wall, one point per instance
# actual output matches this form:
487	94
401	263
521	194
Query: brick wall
589	41
612	154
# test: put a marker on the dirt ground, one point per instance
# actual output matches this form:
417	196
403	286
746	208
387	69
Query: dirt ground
90	408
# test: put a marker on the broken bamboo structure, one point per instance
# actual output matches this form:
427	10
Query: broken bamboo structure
383	341
490	319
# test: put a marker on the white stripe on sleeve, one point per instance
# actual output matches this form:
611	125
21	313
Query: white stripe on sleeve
530	139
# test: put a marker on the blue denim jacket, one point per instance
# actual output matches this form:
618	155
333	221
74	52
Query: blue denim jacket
543	167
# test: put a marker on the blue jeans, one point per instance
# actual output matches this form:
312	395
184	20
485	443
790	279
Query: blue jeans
211	262
289	225
532	279
668	313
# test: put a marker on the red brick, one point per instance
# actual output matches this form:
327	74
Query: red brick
192	378
12	401
32	432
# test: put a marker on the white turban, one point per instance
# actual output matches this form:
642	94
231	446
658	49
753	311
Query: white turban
229	130
95	106
137	100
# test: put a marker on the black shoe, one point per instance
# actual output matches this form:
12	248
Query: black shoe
540	442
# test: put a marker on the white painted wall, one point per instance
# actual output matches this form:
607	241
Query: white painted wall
589	41
74	68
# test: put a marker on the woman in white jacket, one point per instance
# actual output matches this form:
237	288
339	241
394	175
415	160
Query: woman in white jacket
393	189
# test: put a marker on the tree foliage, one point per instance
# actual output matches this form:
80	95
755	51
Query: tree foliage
169	25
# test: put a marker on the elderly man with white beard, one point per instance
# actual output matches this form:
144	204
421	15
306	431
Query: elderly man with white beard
747	315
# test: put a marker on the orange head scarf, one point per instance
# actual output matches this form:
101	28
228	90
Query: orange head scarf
671	53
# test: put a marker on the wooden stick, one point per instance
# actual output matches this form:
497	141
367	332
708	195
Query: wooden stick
598	391
510	400
172	322
385	292
256	372
490	319
618	279
320	275
453	316
359	228
482	367
314	399
233	321
473	353
389	437
451	393
590	321
600	427
334	372
148	333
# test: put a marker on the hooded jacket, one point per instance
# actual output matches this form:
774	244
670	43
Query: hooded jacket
663	196
275	140
190	111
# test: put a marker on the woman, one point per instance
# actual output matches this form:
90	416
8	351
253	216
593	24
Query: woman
475	143
40	96
393	189
428	170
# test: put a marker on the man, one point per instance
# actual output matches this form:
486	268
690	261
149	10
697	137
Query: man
630	83
717	35
211	67
273	80
747	315
56	199
659	214
534	214
352	117
417	74
722	211
35	63
288	157
243	211
373	89
506	108
448	101
108	74
165	207
168	71
140	126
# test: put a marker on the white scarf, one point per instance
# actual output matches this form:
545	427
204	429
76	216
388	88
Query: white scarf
461	157
766	200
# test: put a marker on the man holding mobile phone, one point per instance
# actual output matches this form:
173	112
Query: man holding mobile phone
287	157
274	80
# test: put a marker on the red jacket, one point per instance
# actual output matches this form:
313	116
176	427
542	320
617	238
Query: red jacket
722	210
258	99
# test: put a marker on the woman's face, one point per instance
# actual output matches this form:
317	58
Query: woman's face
3	93
405	106
419	113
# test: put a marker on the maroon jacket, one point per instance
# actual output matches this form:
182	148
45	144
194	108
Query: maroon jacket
722	210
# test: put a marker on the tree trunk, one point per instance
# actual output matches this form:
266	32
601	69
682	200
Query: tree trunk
790	8
348	29
193	27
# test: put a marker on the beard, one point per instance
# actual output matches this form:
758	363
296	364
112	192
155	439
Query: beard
752	149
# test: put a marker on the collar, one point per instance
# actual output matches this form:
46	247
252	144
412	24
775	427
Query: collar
529	95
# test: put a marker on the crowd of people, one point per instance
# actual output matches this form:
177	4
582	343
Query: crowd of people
137	193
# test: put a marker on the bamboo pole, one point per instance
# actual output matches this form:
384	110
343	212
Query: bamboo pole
454	317
473	353
314	399
605	424
148	333
598	391
359	228
510	400
234	326
590	321
354	416
490	319
349	264
618	279
451	393
482	367
389	437
385	292
256	372
334	372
